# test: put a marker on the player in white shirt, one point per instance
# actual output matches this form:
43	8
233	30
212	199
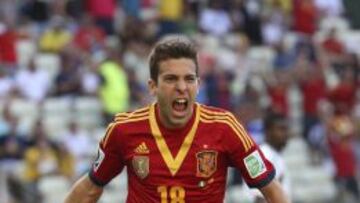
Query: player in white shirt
276	136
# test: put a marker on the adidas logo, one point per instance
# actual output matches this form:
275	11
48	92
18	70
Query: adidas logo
142	149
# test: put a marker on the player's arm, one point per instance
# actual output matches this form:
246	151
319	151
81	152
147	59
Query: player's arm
273	193
84	191
107	165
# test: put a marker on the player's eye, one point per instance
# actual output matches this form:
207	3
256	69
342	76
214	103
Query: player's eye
170	79
190	79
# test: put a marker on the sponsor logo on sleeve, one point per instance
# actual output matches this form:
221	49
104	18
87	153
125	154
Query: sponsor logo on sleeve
254	164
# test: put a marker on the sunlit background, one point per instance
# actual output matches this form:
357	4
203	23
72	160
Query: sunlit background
67	66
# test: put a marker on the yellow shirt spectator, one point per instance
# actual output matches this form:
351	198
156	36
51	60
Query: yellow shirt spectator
54	40
171	10
114	92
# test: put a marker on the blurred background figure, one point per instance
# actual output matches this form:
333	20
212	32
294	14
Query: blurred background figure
276	137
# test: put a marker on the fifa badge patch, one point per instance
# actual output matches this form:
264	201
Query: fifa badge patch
254	164
141	166
206	163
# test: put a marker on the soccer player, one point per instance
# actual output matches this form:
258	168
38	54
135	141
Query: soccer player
176	150
276	136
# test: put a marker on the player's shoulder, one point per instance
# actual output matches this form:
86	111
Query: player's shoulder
215	115
214	112
133	117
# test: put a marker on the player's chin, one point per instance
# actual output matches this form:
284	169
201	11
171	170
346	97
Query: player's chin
179	122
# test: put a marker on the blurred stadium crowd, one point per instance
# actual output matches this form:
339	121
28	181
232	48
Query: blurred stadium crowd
67	66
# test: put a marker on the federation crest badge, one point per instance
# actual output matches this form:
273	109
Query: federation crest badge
206	163
141	166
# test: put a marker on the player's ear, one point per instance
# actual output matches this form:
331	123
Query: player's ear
152	87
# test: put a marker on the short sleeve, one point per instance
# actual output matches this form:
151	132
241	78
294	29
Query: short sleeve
109	162
245	155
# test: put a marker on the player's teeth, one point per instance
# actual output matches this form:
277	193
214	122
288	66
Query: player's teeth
181	101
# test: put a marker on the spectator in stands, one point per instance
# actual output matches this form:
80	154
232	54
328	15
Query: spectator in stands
6	85
329	8
170	15
132	8
305	17
8	121
103	11
56	37
8	39
275	25
12	143
12	147
43	158
32	83
90	80
67	81
250	21
37	10
224	80
311	80
135	59
284	57
78	143
75	8
344	94
340	138
89	38
114	90
214	19
277	86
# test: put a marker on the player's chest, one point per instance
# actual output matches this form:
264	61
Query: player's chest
201	157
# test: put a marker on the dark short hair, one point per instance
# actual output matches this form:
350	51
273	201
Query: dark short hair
271	118
171	48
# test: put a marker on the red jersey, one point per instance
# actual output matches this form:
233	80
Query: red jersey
182	165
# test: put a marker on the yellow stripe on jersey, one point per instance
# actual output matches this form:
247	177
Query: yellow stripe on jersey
241	132
134	119
107	134
173	163
207	116
233	119
138	115
132	116
125	115
141	110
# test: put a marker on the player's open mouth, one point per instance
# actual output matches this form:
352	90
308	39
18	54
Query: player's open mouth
180	105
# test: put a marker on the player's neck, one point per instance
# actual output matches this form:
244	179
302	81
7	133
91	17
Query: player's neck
166	123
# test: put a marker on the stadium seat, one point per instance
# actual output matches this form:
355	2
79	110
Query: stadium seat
88	112
22	107
339	23
312	184
55	126
25	50
57	106
54	188
98	133
27	113
261	58
48	62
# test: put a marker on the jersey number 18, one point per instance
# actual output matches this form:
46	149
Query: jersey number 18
177	194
